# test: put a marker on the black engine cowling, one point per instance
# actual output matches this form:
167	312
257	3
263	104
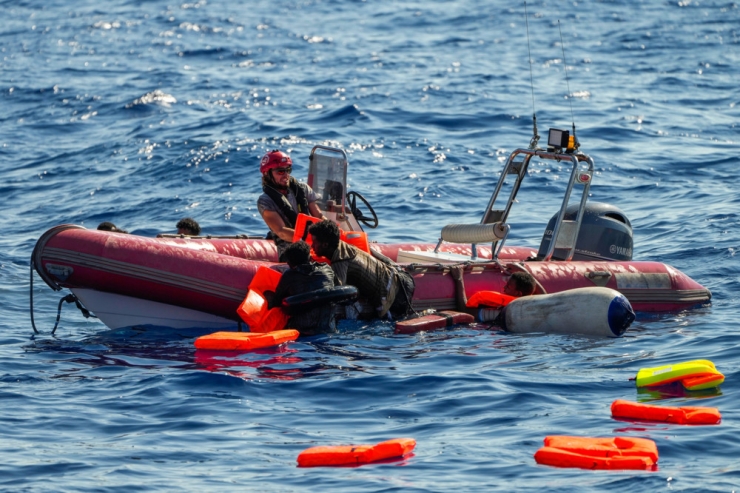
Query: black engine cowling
606	234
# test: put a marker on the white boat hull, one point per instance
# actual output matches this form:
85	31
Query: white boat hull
118	311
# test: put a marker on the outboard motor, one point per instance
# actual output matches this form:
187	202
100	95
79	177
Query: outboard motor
605	234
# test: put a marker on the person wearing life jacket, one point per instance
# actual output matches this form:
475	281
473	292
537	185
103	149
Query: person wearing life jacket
518	284
283	199
304	276
387	287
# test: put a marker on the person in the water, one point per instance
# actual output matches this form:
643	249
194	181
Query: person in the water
188	226
386	286
304	276
109	226
519	284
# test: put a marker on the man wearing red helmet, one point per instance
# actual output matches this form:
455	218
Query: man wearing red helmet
283	199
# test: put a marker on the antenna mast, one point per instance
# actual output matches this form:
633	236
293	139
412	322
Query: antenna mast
576	144
535	135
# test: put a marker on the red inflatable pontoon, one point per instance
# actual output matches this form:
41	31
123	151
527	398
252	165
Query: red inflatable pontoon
200	281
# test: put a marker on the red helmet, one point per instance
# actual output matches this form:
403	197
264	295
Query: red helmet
274	159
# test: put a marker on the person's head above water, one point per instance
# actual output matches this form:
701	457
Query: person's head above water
108	226
188	227
297	253
325	235
520	284
276	167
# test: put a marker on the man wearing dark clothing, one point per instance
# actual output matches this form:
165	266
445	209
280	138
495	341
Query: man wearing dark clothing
302	277
387	287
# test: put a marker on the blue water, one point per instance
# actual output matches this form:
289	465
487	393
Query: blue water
141	113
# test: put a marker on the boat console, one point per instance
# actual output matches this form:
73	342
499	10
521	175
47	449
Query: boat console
327	176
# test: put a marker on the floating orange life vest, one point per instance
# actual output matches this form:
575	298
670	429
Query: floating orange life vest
491	299
685	415
253	310
339	455
231	341
598	453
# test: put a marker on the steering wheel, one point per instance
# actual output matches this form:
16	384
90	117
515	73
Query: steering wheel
371	221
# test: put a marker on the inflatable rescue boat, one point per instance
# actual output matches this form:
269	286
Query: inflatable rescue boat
198	282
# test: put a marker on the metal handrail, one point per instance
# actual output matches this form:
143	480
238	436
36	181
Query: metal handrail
519	168
584	197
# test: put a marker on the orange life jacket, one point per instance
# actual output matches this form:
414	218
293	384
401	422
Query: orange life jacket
598	453
338	455
301	227
490	299
253	310
355	238
685	415
231	341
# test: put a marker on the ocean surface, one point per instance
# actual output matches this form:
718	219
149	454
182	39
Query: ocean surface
142	113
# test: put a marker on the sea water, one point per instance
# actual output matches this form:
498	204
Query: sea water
142	113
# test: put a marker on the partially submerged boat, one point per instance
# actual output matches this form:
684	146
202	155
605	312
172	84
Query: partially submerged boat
198	282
